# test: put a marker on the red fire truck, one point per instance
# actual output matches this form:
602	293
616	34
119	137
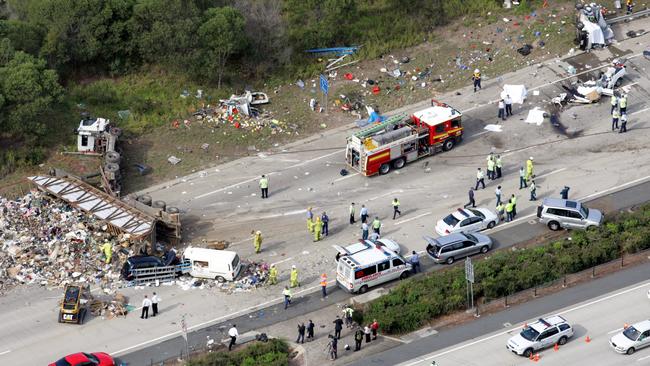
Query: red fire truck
401	139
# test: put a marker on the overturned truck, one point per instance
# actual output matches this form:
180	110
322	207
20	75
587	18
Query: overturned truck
127	215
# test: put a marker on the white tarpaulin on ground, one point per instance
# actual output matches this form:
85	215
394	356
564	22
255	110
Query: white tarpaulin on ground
536	116
516	92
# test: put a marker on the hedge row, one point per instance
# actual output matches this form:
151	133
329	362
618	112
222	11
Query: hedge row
275	352
414	302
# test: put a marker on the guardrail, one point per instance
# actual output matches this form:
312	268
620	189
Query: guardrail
162	274
623	18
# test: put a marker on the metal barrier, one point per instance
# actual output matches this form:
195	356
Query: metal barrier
162	274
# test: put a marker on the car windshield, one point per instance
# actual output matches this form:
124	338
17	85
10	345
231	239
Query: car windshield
477	213
631	333
529	333
450	220
62	362
471	237
584	211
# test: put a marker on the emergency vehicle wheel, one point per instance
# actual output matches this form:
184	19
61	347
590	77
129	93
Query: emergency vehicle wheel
220	279
562	341
404	276
363	289
399	163
491	224
527	353
630	350
448	144
384	169
553	225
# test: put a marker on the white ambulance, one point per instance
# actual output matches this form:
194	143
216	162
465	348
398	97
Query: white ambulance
364	264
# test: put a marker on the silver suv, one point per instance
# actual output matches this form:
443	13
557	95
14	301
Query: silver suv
448	248
560	213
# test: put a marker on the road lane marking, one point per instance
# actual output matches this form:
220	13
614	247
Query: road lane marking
394	339
384	195
643	358
272	173
345	177
5	352
615	331
478	134
282	214
481	340
282	261
550	173
413	218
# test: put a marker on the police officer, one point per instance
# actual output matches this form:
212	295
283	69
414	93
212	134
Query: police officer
499	164
476	76
623	123
622	104
614	102
325	220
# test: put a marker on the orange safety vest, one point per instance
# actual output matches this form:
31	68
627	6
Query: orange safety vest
323	280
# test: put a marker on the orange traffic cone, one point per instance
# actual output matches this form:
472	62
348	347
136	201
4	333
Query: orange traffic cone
556	347
625	326
536	358
587	339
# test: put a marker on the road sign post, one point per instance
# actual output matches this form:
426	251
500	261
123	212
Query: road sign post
184	329
469	277
324	87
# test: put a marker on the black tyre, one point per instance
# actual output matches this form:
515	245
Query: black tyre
554	225
112	167
562	341
448	144
145	199
404	276
113	157
630	351
484	249
384	169
220	279
363	289
159	204
172	210
450	260
491	224
399	163
527	353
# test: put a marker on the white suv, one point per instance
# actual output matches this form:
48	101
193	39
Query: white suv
543	333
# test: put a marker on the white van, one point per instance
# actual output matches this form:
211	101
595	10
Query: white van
221	265
364	264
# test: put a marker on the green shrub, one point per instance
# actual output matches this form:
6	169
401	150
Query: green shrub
275	352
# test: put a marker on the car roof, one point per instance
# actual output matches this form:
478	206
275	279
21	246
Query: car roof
544	323
206	252
462	214
447	239
371	255
642	326
144	258
76	358
559	202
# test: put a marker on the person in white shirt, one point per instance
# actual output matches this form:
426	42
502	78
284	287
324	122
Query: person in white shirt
232	332
145	308
155	299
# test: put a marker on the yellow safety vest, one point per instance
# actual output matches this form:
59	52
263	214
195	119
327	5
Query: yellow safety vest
623	102
614	100
264	183
477	76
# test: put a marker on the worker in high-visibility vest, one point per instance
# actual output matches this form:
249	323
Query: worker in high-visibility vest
273	275
293	278
257	240
529	169
318	227
376	225
614	102
323	284
615	116
107	249
264	186
622	104
476	76
396	210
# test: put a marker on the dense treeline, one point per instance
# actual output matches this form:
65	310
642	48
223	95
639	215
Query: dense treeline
207	40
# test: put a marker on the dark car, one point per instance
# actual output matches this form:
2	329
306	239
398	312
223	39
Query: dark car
139	262
86	359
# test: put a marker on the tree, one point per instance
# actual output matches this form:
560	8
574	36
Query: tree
221	35
28	90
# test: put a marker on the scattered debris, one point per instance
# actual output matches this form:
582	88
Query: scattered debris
493	128
173	160
536	116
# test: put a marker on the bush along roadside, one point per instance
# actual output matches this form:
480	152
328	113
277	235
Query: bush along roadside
275	352
415	302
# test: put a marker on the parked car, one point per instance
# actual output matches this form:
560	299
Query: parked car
560	213
139	262
543	333
632	338
467	220
86	359
448	248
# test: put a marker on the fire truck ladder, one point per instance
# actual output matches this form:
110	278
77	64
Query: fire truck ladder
143	276
381	126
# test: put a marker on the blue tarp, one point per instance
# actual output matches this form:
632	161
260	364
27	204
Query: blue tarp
375	117
340	51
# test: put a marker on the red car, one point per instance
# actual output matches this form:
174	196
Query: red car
85	359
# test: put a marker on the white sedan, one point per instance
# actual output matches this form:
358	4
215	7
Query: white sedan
632	338
467	220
